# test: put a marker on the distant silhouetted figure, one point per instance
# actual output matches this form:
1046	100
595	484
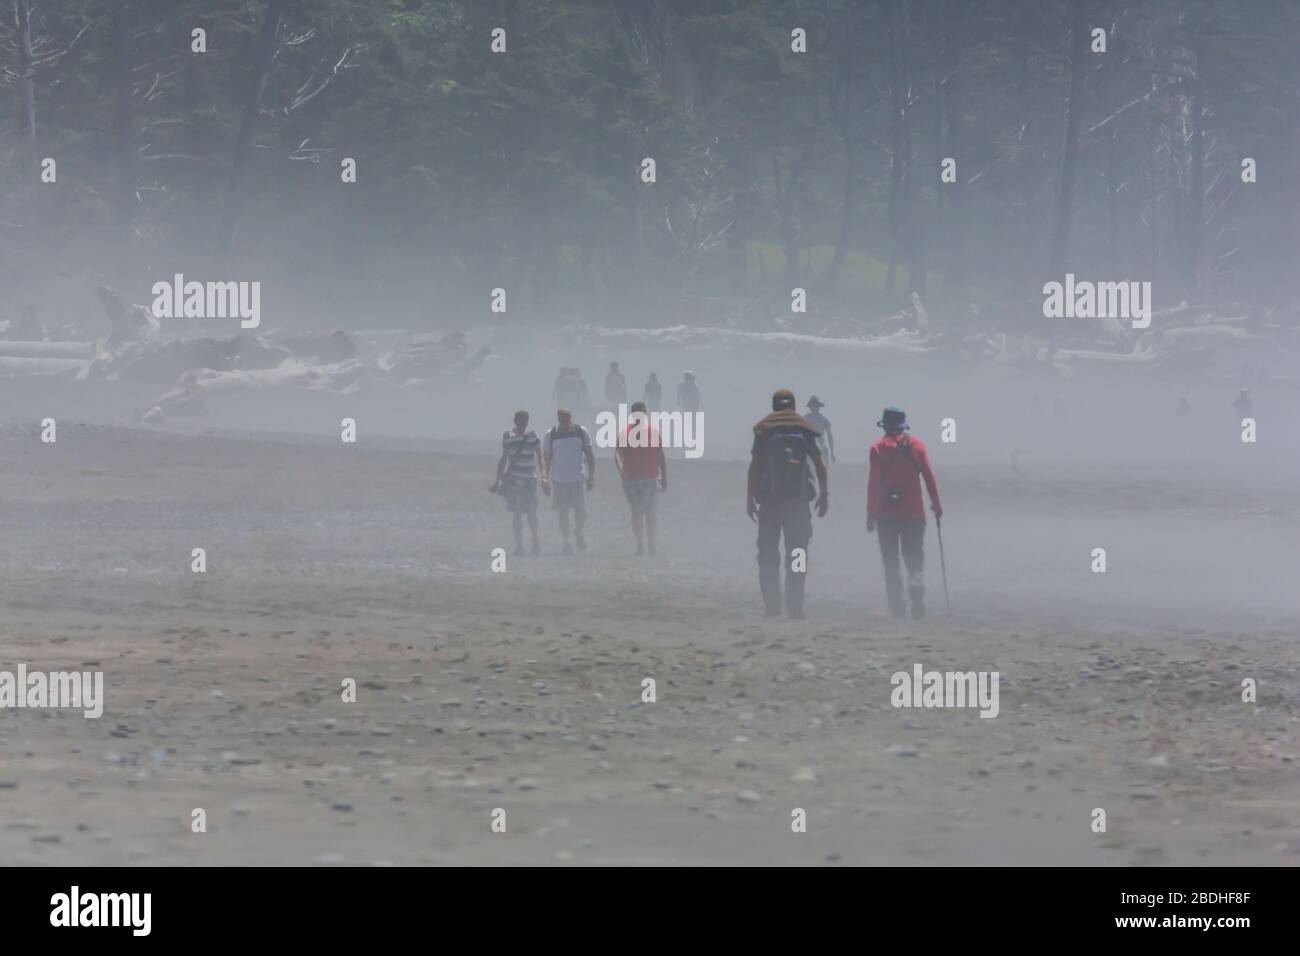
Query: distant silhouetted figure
654	393
827	440
1243	406
563	383
583	395
1183	408
27	327
688	394
571	392
615	387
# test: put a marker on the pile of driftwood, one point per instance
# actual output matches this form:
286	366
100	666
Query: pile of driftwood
1179	343
136	349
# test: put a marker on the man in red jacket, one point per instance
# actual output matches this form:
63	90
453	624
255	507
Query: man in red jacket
894	504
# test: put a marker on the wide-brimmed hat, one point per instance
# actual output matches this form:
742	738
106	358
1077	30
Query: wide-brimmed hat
815	402
892	419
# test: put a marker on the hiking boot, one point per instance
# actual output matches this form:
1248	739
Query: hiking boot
582	542
918	603
795	614
537	547
897	609
568	548
772	612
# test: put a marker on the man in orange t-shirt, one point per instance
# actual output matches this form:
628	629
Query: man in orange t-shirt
641	462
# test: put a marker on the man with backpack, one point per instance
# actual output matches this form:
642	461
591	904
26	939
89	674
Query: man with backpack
778	496
895	506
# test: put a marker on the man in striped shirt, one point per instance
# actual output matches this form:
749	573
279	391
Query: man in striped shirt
517	474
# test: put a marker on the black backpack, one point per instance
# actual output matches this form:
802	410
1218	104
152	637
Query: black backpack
785	477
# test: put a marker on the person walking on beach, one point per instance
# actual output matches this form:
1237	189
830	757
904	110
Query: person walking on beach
615	388
898	462
654	393
823	424
517	476
644	468
779	492
566	450
688	394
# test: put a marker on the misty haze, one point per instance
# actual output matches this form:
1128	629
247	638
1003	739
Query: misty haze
276	277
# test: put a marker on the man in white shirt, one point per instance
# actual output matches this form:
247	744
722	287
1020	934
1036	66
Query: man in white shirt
567	448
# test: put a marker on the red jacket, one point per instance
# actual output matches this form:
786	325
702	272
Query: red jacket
898	463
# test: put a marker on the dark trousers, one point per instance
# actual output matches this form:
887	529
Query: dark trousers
905	535
793	519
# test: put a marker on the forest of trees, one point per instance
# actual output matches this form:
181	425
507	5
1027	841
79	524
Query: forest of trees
775	168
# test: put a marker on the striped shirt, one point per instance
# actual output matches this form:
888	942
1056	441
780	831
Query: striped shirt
522	454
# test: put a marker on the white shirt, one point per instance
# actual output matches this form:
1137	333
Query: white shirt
566	450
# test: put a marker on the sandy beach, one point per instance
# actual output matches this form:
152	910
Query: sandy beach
523	690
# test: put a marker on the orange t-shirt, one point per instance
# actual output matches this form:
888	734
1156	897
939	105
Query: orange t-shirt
641	463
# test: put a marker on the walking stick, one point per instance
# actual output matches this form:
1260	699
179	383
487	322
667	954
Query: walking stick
943	565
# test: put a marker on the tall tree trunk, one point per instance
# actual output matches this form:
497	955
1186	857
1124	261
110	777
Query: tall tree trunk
741	173
1196	199
897	158
956	138
843	112
846	211
27	86
1070	139
1112	181
1153	181
123	138
901	214
264	56
789	228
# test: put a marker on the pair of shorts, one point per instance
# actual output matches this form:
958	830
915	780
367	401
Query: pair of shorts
568	494
642	493
521	495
